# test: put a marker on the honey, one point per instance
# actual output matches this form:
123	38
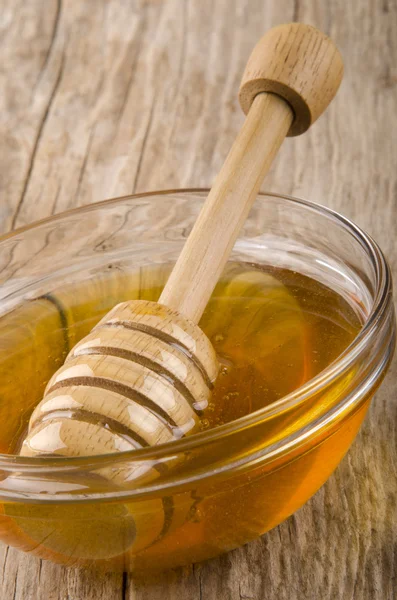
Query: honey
273	330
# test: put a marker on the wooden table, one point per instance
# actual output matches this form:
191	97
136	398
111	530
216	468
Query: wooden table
103	98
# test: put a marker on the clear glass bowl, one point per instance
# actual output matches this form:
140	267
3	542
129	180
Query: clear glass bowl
220	488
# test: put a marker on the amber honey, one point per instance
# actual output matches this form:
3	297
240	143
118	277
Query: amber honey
273	330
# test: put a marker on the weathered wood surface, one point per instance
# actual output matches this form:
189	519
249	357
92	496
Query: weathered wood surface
105	97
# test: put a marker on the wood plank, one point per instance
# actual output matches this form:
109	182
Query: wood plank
138	95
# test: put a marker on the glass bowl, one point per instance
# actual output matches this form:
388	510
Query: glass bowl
222	487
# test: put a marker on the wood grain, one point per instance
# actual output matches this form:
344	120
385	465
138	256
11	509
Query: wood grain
104	97
299	63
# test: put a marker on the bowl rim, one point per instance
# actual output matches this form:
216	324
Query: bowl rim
379	310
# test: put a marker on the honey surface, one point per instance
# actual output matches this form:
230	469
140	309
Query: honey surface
272	330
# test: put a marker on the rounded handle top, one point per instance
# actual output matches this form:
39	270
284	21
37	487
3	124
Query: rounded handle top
299	63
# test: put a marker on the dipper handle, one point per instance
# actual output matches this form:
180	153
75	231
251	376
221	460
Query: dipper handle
291	76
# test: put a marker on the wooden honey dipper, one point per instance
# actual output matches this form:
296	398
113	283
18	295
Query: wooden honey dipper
145	372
